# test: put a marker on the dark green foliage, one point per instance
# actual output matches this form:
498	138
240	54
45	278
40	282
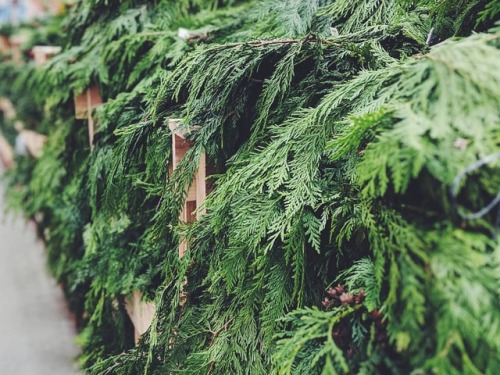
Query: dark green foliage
423	136
333	158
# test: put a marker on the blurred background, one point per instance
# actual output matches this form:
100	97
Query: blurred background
37	334
18	11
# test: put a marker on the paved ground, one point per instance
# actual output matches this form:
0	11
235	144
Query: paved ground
36	334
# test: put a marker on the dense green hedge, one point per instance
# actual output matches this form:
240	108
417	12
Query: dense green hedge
331	243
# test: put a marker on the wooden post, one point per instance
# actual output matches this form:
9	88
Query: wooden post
201	185
4	44
197	192
7	108
141	314
6	153
42	54
16	42
84	105
34	142
6	150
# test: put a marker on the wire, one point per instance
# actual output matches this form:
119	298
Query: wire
455	189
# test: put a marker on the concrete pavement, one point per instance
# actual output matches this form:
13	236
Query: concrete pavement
36	333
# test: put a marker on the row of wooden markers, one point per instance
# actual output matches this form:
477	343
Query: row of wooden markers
32	142
141	313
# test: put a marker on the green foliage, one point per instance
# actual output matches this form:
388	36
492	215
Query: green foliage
421	125
332	157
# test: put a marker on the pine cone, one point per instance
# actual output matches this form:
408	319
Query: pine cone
360	297
346	298
340	289
332	293
326	302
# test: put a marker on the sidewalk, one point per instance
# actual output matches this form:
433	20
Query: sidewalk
36	334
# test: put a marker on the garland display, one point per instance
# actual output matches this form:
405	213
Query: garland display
347	144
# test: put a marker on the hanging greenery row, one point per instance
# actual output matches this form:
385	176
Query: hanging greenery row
349	144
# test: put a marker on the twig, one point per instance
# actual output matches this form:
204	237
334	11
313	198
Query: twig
261	43
456	185
212	365
256	80
230	114
214	336
217	333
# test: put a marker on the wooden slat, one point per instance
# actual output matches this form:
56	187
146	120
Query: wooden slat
181	131
141	313
196	193
201	185
180	147
85	103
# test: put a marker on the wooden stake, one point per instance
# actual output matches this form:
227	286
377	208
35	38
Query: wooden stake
197	191
90	119
141	314
85	103
42	54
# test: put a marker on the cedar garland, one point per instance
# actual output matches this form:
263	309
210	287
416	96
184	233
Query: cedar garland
334	158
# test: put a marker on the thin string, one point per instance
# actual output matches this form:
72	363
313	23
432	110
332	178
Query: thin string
490	206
